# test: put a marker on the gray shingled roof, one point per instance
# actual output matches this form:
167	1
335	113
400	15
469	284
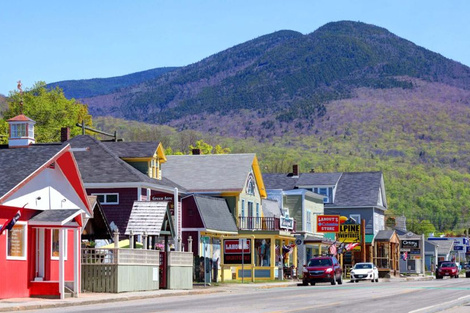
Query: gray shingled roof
132	149
54	217
99	164
214	172
384	235
279	181
358	189
318	179
215	214
17	164
271	208
147	216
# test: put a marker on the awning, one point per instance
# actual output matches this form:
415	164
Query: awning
56	218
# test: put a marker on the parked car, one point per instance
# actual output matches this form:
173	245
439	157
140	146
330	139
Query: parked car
322	269
467	269
447	269
364	271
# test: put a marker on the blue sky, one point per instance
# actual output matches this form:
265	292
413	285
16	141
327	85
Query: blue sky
60	40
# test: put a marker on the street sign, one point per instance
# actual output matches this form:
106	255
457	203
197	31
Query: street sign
327	223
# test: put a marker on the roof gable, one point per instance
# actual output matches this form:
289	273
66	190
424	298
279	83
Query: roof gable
150	217
359	189
210	173
41	177
100	165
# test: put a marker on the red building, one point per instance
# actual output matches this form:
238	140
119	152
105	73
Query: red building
43	206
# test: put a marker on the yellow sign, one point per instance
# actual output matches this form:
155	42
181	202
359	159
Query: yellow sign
349	233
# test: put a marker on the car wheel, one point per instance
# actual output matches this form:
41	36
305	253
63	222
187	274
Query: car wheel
313	284
304	283
438	277
340	281
467	274
357	281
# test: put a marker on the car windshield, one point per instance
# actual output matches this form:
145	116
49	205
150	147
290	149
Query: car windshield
362	265
449	264
319	262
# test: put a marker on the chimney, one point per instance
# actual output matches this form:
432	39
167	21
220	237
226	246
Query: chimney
64	134
295	170
196	151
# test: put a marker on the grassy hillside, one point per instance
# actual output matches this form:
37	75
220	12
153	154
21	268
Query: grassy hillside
422	147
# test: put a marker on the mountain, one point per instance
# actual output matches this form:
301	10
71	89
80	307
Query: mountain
284	77
85	88
347	97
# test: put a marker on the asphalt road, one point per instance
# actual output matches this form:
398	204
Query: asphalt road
411	296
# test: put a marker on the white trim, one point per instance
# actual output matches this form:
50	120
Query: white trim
25	243
61	264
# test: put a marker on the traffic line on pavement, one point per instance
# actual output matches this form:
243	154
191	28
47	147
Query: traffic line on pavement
444	305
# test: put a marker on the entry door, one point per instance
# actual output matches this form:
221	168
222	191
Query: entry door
250	215
39	254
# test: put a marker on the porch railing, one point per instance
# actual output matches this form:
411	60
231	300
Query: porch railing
264	224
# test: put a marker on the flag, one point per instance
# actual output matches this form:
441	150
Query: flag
11	222
351	246
333	249
404	256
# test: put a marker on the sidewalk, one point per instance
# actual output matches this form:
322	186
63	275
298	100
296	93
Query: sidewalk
17	304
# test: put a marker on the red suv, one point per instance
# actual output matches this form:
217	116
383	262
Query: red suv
322	269
447	269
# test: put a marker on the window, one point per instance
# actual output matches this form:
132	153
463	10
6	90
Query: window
55	244
356	218
108	198
18	130
308	225
243	208
257	210
17	241
325	191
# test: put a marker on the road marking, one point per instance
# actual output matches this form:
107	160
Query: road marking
308	308
447	304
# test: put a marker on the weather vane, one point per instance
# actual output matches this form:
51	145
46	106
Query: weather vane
21	96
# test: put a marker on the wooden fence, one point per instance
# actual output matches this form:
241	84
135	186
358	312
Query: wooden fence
116	270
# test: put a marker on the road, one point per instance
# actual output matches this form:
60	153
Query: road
390	297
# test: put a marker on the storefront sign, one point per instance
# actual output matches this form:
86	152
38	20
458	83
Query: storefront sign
287	223
236	250
458	248
327	223
349	233
410	244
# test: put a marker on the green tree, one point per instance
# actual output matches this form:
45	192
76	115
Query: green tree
49	109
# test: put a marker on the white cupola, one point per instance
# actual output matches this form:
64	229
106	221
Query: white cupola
21	131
